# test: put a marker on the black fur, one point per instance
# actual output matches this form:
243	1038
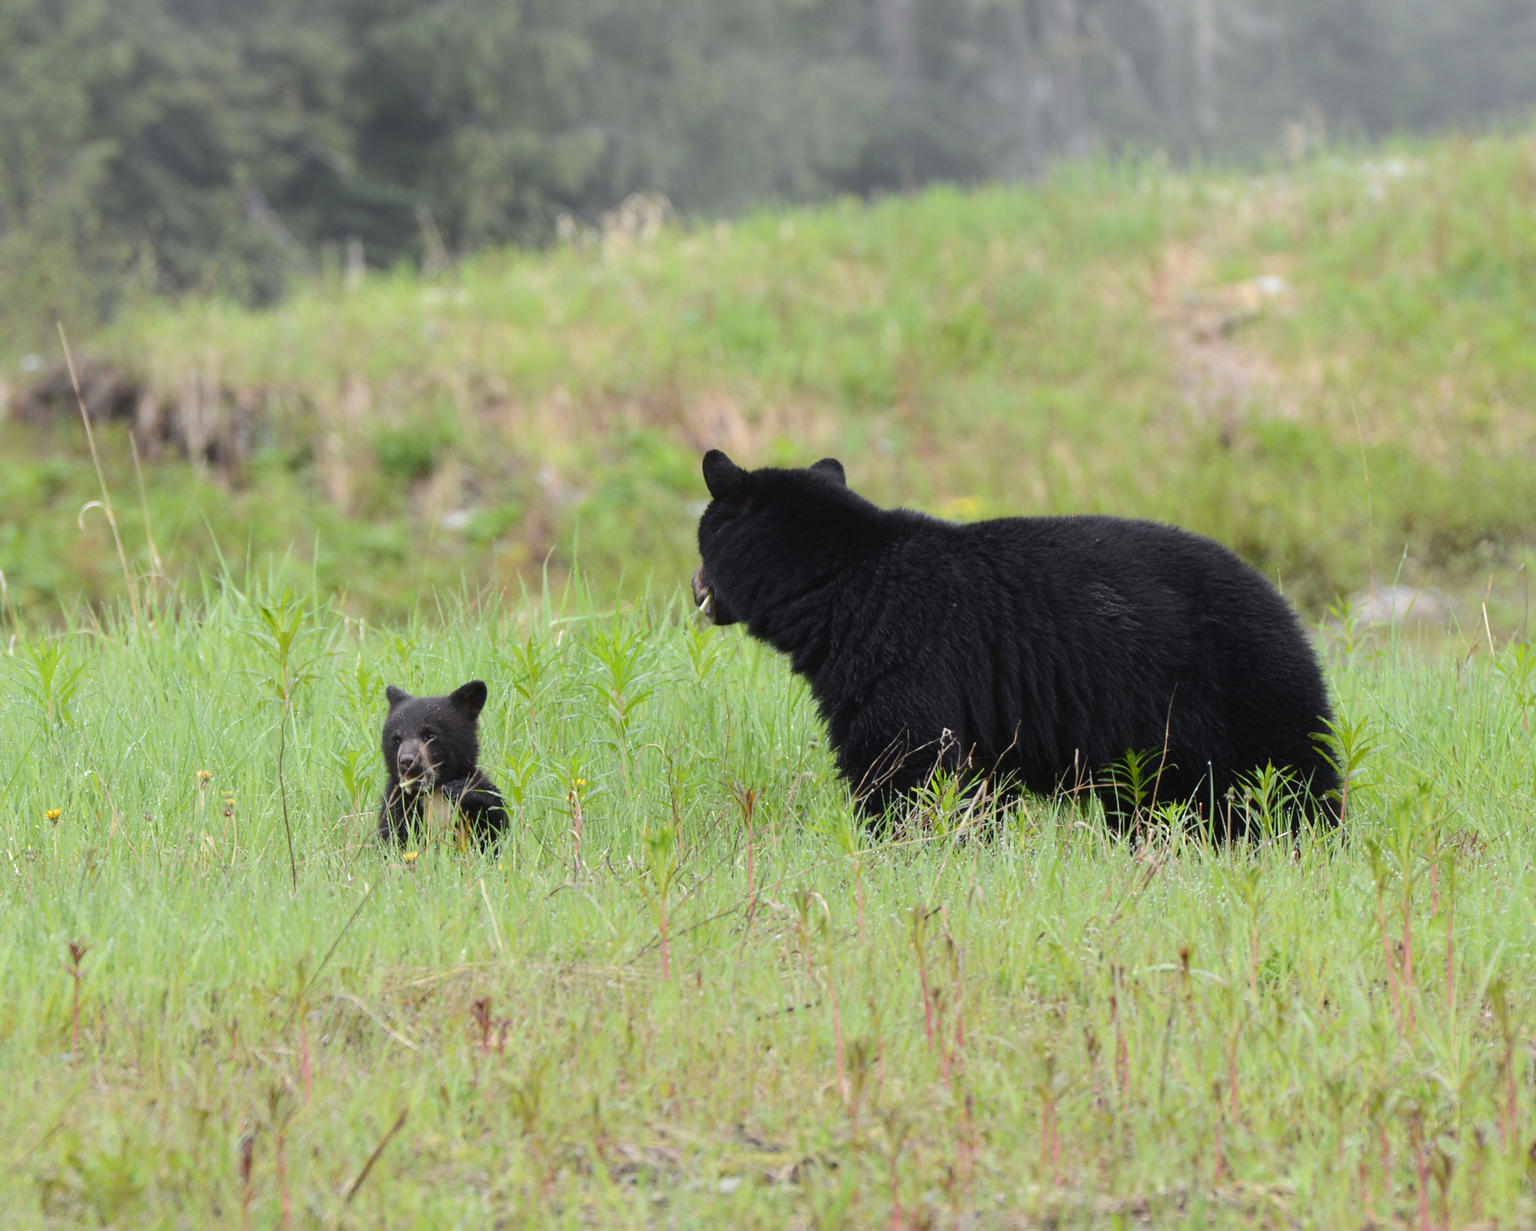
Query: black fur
432	744
1034	650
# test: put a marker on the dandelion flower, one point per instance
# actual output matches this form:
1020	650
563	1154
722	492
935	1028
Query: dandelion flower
53	813
410	856
203	775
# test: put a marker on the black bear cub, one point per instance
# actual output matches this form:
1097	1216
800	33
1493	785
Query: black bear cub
431	746
1034	651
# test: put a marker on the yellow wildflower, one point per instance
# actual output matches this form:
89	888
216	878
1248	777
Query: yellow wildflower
53	813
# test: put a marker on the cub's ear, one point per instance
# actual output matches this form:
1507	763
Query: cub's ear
469	699
721	475
395	695
830	468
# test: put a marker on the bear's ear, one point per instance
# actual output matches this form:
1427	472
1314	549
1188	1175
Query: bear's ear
469	699
721	475
830	468
395	695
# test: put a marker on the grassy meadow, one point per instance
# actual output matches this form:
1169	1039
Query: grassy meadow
689	989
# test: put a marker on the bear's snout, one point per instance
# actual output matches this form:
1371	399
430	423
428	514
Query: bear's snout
413	764
703	594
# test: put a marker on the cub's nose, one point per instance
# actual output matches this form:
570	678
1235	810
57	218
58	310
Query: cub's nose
408	761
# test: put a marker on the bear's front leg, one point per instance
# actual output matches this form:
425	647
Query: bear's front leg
885	764
480	803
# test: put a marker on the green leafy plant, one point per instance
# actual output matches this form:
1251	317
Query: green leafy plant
292	643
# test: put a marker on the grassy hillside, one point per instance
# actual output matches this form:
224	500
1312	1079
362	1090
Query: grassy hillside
1329	368
688	991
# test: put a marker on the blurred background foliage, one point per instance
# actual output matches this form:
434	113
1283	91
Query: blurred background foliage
231	145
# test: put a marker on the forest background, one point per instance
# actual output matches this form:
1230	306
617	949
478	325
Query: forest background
166	146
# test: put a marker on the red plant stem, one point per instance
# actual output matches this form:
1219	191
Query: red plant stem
922	979
968	1138
1422	1162
1408	956
931	1024
1050	1143
247	1152
751	871
1122	1064
304	1066
1507	1128
282	1178
77	952
959	1052
1386	948
666	947
1233	1103
843	1087
1122	1051
1450	954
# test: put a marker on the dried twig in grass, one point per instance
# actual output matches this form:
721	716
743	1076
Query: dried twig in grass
105	503
156	564
27	1152
351	919
378	1021
374	1157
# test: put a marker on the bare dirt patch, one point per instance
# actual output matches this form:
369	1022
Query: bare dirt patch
1223	377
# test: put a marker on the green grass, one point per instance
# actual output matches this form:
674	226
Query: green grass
690	1020
1100	341
689	989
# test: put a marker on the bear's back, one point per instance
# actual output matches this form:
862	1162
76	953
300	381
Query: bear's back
1050	640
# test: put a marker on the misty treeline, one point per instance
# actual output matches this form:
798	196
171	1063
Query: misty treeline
229	145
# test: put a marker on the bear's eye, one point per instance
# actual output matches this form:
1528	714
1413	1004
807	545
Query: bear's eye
394	740
428	735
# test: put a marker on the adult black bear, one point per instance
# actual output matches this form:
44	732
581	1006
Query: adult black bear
1038	651
431	746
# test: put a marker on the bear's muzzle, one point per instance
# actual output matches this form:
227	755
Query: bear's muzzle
703	593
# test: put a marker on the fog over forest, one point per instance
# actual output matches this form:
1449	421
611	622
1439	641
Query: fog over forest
231	145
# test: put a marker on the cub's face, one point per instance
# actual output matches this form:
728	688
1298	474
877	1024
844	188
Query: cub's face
765	530
430	740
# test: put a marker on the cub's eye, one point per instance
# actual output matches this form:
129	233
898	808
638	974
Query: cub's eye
394	741
428	735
